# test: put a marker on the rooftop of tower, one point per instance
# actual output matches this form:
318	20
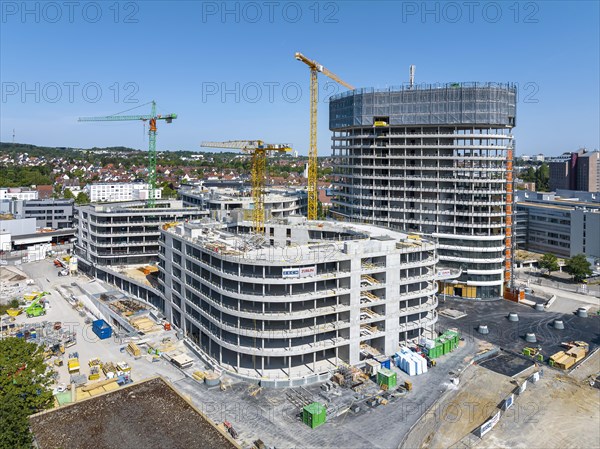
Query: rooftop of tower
296	240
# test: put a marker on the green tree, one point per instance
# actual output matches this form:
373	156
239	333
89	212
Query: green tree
24	390
542	178
321	211
168	191
578	267
68	195
82	198
549	262
528	175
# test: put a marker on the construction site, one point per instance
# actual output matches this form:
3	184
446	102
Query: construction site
273	329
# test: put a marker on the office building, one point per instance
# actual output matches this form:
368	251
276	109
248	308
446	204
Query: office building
579	171
18	193
220	202
435	160
105	192
117	242
565	223
289	307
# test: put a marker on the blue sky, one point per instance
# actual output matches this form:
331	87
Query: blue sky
232	74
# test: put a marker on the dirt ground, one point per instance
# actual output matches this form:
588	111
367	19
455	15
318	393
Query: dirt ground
559	411
460	411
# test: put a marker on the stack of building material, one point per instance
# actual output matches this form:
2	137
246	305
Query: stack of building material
134	350
144	324
561	360
411	363
577	352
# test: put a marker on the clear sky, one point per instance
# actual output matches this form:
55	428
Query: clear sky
228	68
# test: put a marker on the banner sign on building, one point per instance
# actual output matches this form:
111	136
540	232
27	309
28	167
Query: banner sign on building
291	272
308	271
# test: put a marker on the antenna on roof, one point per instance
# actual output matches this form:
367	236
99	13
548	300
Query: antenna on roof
411	78
13	135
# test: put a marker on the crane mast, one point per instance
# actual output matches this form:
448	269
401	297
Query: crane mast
315	68
258	150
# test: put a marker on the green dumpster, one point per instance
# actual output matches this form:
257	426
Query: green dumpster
314	415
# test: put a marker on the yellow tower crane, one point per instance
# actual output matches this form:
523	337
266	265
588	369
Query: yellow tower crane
258	149
315	68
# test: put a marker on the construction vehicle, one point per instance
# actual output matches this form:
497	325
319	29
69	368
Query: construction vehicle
258	149
536	353
36	308
151	119
315	68
73	363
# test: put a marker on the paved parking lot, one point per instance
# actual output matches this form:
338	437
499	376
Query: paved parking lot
509	335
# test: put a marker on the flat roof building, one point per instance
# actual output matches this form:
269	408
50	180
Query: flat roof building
289	306
579	170
564	225
146	414
119	191
220	202
435	160
113	238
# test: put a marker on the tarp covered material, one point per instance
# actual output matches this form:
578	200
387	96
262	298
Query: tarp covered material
32	240
411	363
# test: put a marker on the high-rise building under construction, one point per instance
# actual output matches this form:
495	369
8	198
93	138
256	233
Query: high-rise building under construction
433	159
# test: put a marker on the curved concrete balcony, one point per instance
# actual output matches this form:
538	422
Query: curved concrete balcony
259	279
392	167
272	352
274	333
475	249
430	320
471	259
422	135
259	297
298	314
349	154
445	179
432	211
423	189
430	305
485	283
432	290
408	199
